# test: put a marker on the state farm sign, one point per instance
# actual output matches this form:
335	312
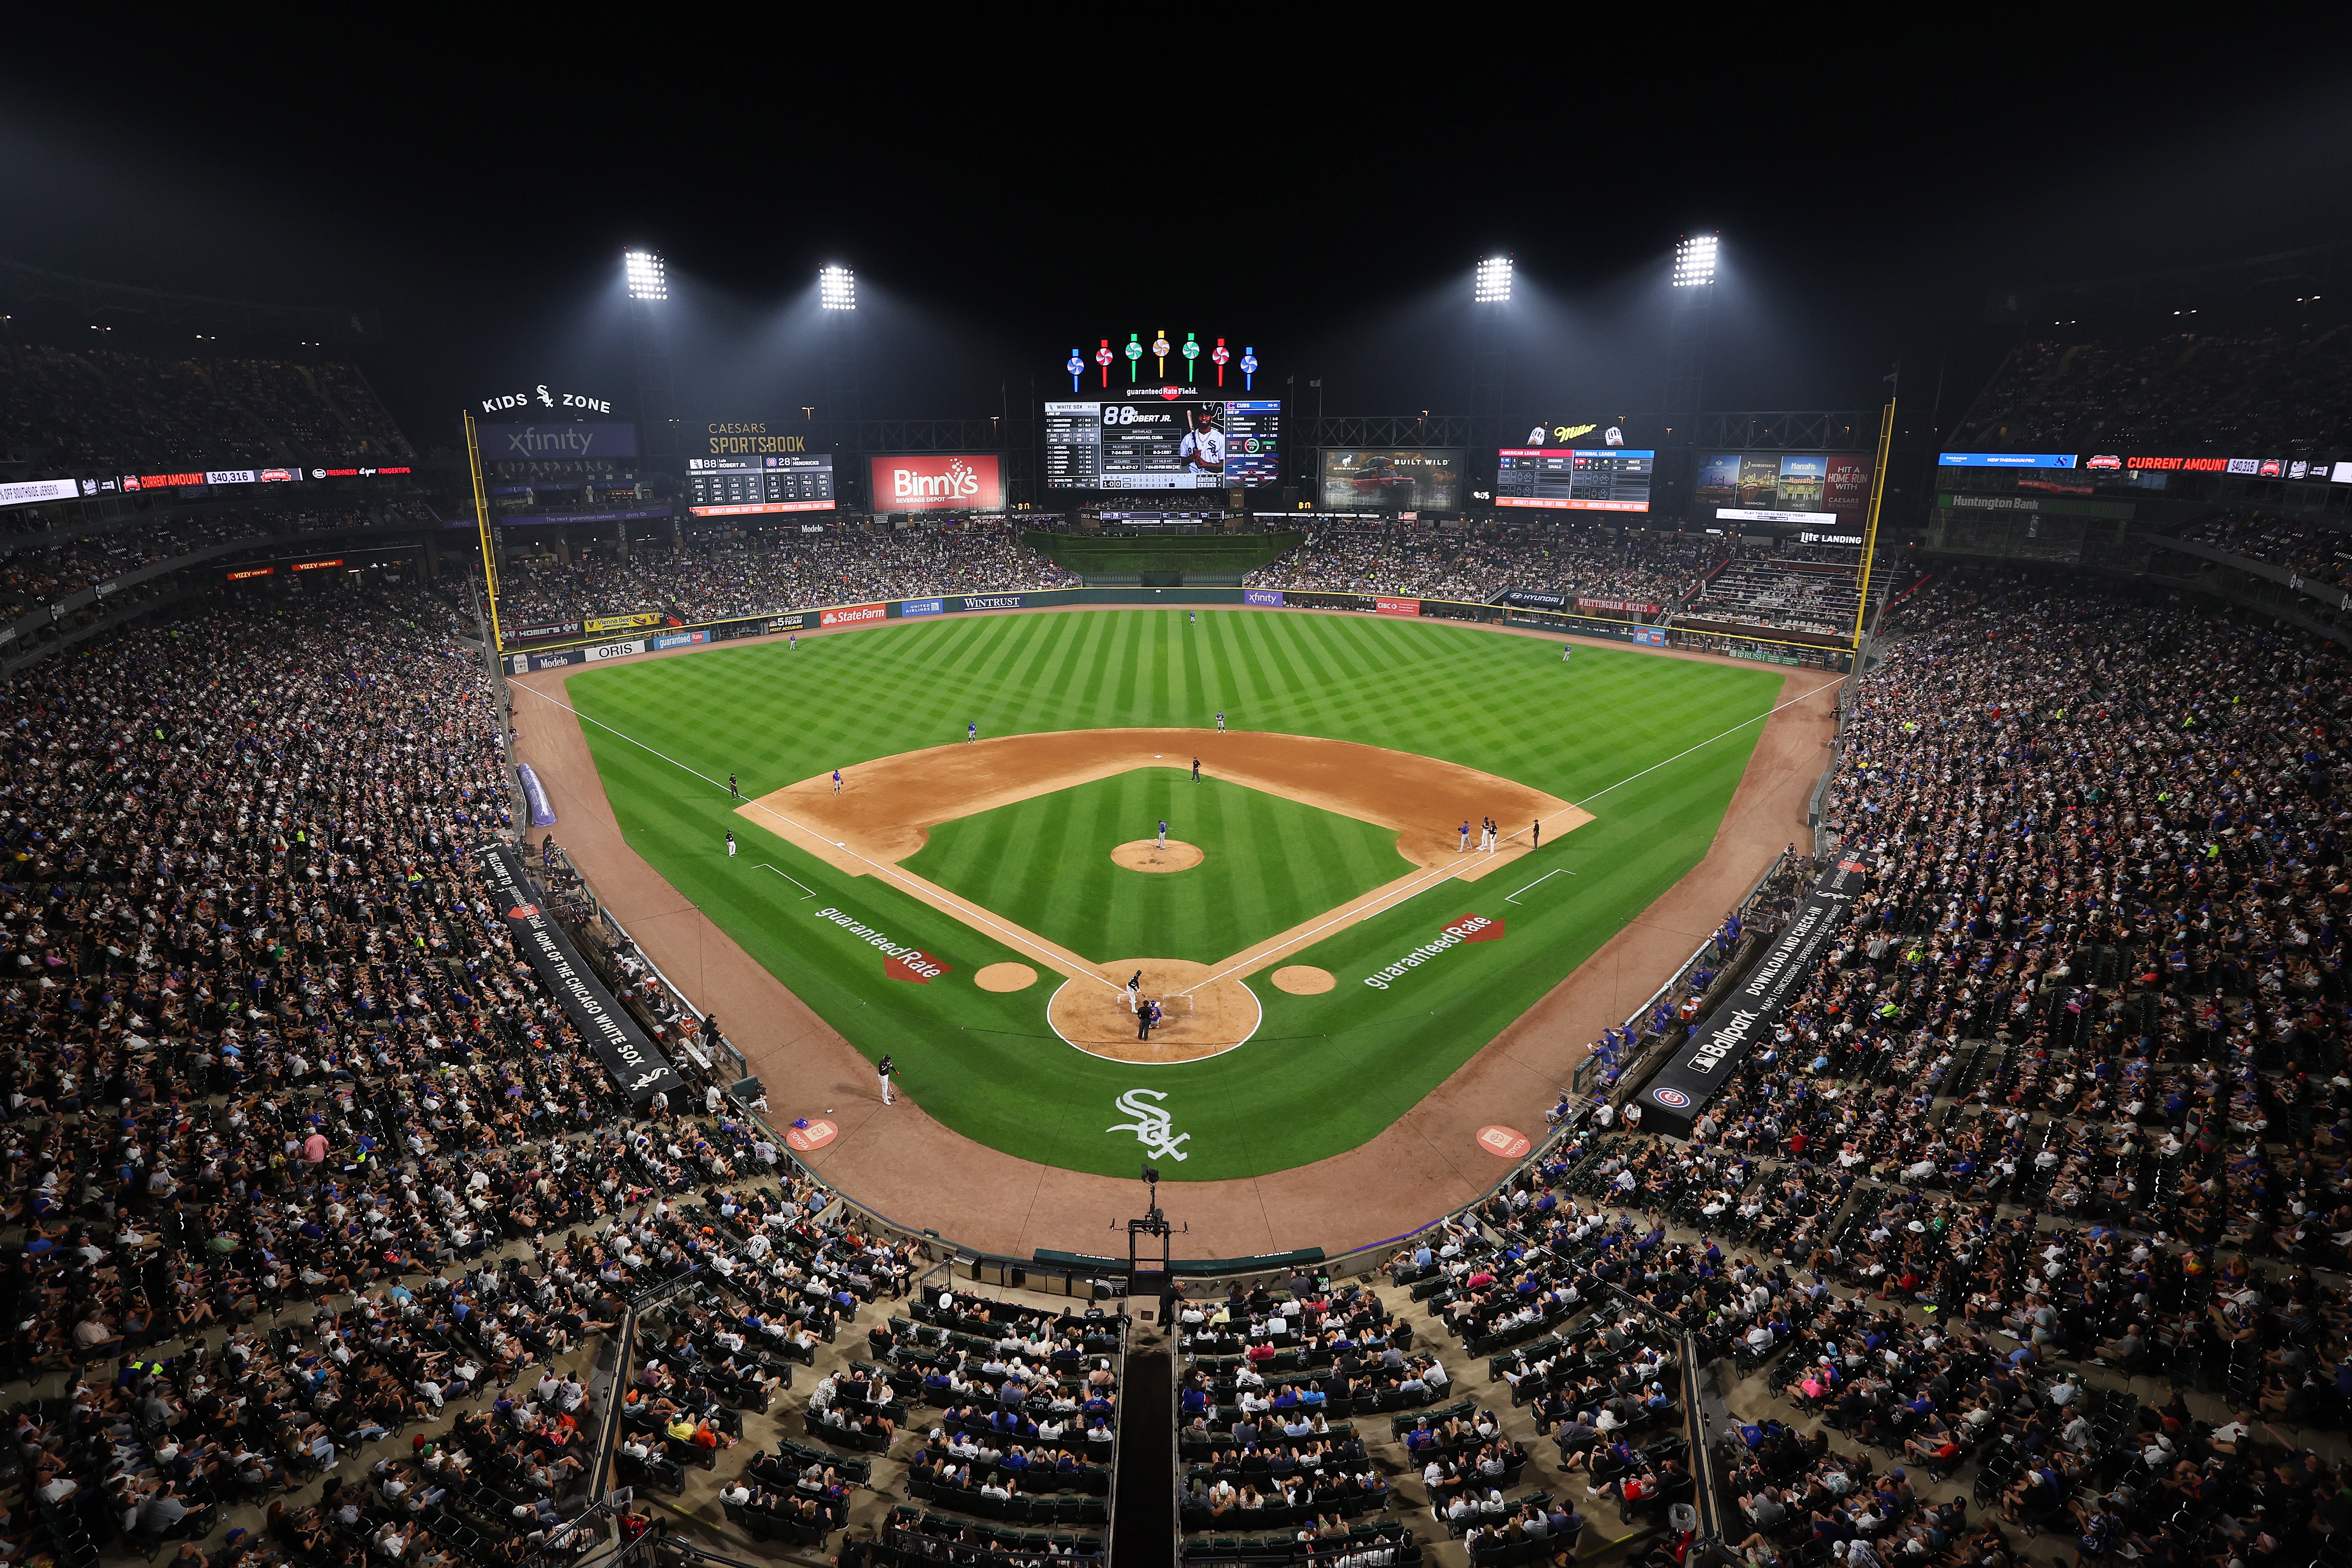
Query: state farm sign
851	614
930	483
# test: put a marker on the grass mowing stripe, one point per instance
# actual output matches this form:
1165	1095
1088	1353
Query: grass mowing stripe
1327	1070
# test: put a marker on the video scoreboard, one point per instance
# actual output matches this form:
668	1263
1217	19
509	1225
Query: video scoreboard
1575	479
727	486
1163	444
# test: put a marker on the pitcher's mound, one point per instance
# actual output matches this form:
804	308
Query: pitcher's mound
1145	854
1005	977
1213	1016
1303	980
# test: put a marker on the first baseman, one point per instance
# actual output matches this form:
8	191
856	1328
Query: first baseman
1464	844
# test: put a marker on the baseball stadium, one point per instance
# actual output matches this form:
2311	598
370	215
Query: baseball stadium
665	909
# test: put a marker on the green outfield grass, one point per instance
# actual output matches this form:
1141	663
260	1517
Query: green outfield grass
1267	864
1325	1072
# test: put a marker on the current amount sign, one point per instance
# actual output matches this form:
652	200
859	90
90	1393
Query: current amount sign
729	487
1162	444
1575	479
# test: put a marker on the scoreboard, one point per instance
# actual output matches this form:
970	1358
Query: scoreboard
728	486
1163	444
1575	479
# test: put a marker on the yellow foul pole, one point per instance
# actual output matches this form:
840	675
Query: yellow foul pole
1870	526
490	552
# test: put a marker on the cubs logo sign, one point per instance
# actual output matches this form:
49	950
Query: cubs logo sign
1673	1099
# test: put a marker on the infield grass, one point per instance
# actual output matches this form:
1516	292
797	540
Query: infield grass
1325	1072
1268	864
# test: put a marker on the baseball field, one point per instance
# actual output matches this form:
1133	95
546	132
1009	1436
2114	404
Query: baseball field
1323	951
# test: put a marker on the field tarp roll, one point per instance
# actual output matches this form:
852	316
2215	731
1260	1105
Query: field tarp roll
1671	1101
636	1067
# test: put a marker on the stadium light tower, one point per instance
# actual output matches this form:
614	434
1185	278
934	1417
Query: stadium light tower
1686	325
648	279
836	288
1489	360
1695	261
1494	282
836	296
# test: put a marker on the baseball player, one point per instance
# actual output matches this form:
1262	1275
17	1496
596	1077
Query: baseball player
1196	770
970	733
884	1069
1134	991
793	642
1221	721
836	780
1565	649
1163	835
1464	844
730	844
732	789
1193	618
1535	834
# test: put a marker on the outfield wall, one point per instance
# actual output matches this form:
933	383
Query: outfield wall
570	647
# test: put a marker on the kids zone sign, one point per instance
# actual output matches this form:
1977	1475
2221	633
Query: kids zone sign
966	481
1469	927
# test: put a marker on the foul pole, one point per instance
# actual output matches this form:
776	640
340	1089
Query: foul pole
489	551
1870	526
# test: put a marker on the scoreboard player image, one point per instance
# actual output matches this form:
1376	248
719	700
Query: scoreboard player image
1202	451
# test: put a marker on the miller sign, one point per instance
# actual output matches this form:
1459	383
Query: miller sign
926	483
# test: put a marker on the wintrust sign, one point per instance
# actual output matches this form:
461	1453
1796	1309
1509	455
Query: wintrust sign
926	483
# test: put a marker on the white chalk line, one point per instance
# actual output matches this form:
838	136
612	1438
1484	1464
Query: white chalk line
977	917
806	891
1445	873
1540	881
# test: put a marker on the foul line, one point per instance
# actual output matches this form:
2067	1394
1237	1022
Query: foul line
1548	876
1446	873
977	917
806	891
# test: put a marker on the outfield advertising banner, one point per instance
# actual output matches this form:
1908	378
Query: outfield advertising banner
989	602
852	615
1396	606
620	622
1261	596
1653	636
638	1069
1673	1099
681	639
910	608
788	622
33	492
545	630
535	443
971	480
1624	607
1528	596
614	651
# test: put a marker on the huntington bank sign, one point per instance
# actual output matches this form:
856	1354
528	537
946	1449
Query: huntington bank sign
1469	927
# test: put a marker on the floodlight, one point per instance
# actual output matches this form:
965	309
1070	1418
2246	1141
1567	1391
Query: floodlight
836	288
1695	261
648	278
1495	281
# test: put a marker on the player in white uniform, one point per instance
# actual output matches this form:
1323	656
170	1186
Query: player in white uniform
1203	448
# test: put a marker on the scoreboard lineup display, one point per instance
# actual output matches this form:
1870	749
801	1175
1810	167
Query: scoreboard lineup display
729	487
1163	444
1575	479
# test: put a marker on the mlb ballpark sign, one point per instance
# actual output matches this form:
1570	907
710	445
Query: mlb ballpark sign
968	481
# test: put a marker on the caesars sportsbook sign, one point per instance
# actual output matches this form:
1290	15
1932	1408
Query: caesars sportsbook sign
969	482
636	1067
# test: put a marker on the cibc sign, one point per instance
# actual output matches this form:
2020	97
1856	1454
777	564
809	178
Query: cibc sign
925	482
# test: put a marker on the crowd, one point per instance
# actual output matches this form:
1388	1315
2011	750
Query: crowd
2318	555
2252	391
1475	565
33	576
778	572
115	411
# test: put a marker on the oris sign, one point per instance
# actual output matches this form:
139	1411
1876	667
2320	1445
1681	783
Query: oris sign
972	482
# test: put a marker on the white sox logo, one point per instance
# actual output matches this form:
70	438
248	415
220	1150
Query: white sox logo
1150	1125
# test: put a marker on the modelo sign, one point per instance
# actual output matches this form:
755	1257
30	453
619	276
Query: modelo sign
971	483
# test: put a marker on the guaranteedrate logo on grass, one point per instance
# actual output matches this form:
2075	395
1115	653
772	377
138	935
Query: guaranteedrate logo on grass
1469	927
899	962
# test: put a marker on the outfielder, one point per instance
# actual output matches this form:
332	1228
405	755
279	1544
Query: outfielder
1565	649
732	789
730	844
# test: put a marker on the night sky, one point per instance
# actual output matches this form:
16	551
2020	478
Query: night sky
1326	208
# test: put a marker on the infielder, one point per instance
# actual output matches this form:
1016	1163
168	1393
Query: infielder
970	733
1163	835
836	780
1221	721
1465	846
730	844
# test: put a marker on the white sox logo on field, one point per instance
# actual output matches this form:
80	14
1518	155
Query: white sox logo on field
1152	1124
1469	927
900	962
